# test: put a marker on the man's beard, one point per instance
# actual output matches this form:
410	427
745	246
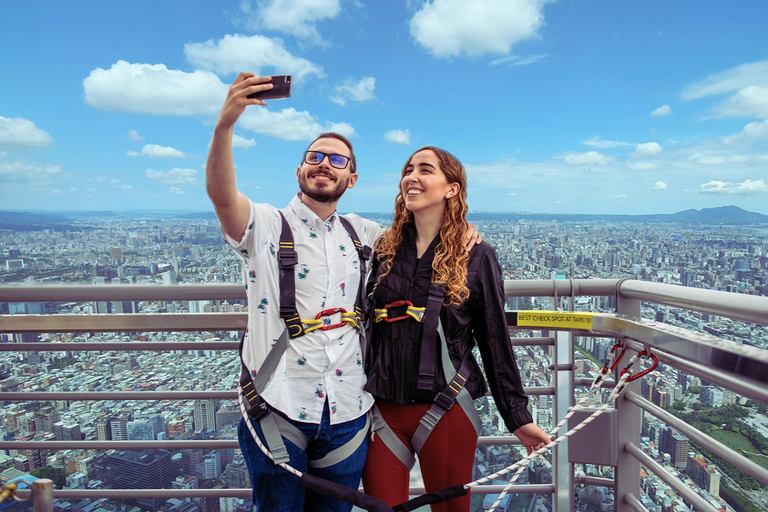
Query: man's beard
326	194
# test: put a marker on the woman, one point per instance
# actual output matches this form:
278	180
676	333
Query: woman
425	246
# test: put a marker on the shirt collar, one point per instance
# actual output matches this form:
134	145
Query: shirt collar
309	217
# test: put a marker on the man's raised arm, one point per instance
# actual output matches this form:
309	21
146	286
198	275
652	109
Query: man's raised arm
232	206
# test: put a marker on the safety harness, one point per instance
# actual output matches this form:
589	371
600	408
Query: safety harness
274	426
454	392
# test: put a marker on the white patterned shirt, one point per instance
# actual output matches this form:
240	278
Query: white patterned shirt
321	365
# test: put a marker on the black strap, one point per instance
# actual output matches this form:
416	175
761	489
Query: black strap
434	497
364	254
366	502
255	405
286	261
428	358
344	493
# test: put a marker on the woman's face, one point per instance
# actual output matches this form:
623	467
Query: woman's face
424	185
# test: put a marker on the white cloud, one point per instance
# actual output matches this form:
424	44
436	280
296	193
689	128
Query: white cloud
153	89
642	166
349	89
175	176
242	142
597	142
664	110
647	149
588	158
236	53
176	190
22	172
748	187
757	130
398	137
133	135
22	133
289	124
296	17
701	159
746	85
750	101
659	185
156	151
450	28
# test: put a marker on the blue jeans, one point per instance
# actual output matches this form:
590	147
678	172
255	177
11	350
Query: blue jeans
275	489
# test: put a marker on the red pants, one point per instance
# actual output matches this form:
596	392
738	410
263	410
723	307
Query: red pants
446	458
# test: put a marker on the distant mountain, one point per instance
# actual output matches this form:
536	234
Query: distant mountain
724	215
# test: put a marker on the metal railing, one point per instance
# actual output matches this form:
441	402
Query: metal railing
733	366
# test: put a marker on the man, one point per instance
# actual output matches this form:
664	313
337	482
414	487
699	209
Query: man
317	385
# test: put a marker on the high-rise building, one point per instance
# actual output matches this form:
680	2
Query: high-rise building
212	465
67	431
141	469
706	476
103	428
676	445
140	430
205	415
192	462
118	426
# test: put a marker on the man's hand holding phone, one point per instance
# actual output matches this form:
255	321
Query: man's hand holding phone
281	88
249	89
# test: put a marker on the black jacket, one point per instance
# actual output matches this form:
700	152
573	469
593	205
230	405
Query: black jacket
392	364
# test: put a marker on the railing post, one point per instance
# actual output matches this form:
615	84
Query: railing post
630	418
42	495
562	469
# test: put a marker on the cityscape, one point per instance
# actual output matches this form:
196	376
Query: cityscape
145	248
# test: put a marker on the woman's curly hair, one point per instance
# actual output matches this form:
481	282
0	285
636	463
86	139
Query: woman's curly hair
451	257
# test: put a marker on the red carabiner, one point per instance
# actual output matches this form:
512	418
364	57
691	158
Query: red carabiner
396	304
644	372
618	358
329	312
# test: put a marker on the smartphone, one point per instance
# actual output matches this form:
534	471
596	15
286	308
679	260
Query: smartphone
281	89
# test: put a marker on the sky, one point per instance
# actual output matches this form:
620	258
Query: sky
553	106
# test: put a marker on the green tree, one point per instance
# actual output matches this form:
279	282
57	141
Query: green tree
57	475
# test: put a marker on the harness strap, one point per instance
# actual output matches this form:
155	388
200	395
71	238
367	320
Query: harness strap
455	392
428	358
363	254
286	261
442	404
389	438
317	323
342	452
385	314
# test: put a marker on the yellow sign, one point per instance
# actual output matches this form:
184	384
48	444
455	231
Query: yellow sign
554	319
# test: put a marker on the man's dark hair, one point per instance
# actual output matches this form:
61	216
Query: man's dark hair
338	136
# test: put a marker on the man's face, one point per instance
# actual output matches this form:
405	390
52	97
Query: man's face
323	182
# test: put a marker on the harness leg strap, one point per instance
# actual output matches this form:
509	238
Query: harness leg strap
343	451
390	439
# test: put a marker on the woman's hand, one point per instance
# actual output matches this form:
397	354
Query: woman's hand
472	237
532	437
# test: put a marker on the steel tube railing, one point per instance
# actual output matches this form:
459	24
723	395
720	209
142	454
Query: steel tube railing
671	480
716	447
748	308
634	503
594	480
629	293
121	292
